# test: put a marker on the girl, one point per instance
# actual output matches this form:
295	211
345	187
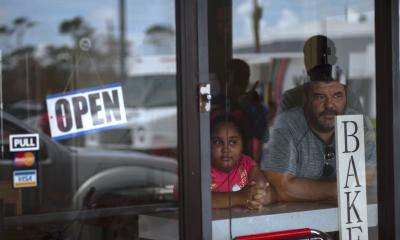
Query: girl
236	178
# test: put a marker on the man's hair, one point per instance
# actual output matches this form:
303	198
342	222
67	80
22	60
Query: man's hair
321	73
307	85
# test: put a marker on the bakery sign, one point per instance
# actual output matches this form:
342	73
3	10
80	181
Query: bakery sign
351	179
86	110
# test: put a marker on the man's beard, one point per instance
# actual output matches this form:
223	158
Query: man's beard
318	123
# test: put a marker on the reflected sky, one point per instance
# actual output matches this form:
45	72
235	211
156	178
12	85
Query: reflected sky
102	15
279	15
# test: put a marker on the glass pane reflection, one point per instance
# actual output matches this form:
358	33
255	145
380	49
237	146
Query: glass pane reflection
269	36
93	184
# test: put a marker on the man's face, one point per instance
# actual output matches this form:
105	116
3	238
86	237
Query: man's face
325	100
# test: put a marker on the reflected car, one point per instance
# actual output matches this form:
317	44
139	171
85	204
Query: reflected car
67	174
150	103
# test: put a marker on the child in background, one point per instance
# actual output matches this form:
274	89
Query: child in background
236	178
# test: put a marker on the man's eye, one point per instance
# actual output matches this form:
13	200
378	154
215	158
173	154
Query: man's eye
319	97
338	95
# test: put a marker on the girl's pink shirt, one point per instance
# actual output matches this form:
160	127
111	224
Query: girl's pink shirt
238	176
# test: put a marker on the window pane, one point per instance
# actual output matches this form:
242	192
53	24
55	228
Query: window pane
92	88
267	63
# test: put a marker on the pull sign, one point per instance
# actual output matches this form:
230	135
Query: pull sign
352	197
205	97
24	142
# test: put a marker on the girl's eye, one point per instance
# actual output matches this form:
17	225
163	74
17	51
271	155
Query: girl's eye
232	142
217	142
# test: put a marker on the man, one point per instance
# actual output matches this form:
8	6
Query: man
300	158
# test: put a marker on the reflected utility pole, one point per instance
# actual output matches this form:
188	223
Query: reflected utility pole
122	41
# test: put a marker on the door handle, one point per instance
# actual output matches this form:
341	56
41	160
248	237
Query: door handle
205	97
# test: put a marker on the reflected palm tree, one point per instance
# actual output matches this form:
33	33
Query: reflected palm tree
21	24
77	28
162	37
256	17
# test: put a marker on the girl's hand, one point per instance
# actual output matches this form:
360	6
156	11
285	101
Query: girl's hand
252	195
266	195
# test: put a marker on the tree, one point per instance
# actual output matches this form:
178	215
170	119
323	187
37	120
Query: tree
257	15
5	30
77	28
19	27
161	36
21	24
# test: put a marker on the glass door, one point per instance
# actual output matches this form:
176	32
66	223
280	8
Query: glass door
285	77
89	119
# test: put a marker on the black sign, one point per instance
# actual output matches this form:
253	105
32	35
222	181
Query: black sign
24	142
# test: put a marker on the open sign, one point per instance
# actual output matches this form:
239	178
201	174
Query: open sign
87	110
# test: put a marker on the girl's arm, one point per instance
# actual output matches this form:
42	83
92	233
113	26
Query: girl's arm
245	197
257	176
221	199
241	198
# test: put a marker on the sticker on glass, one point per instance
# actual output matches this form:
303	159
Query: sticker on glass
24	160
87	110
24	142
25	178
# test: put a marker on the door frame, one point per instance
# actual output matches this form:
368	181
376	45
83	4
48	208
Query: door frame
192	66
193	126
388	131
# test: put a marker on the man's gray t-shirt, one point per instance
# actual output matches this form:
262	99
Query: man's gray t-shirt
295	149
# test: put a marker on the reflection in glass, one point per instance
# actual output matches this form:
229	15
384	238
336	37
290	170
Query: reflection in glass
85	180
269	36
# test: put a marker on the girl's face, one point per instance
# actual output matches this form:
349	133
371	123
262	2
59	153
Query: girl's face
226	147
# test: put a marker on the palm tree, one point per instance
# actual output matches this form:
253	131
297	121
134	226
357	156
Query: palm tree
257	15
160	36
21	24
77	28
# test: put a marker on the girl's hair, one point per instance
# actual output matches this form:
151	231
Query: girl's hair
224	118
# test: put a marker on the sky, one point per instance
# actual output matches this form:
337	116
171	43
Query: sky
277	14
48	14
280	14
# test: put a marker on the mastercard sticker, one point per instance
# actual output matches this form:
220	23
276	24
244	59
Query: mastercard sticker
24	159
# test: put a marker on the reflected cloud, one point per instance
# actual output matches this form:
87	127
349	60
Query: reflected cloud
103	15
288	18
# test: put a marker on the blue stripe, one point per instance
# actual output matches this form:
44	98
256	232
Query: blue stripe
84	90
24	173
81	133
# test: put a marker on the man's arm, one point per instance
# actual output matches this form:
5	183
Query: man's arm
291	188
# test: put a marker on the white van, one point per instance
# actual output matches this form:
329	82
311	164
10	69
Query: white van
150	102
